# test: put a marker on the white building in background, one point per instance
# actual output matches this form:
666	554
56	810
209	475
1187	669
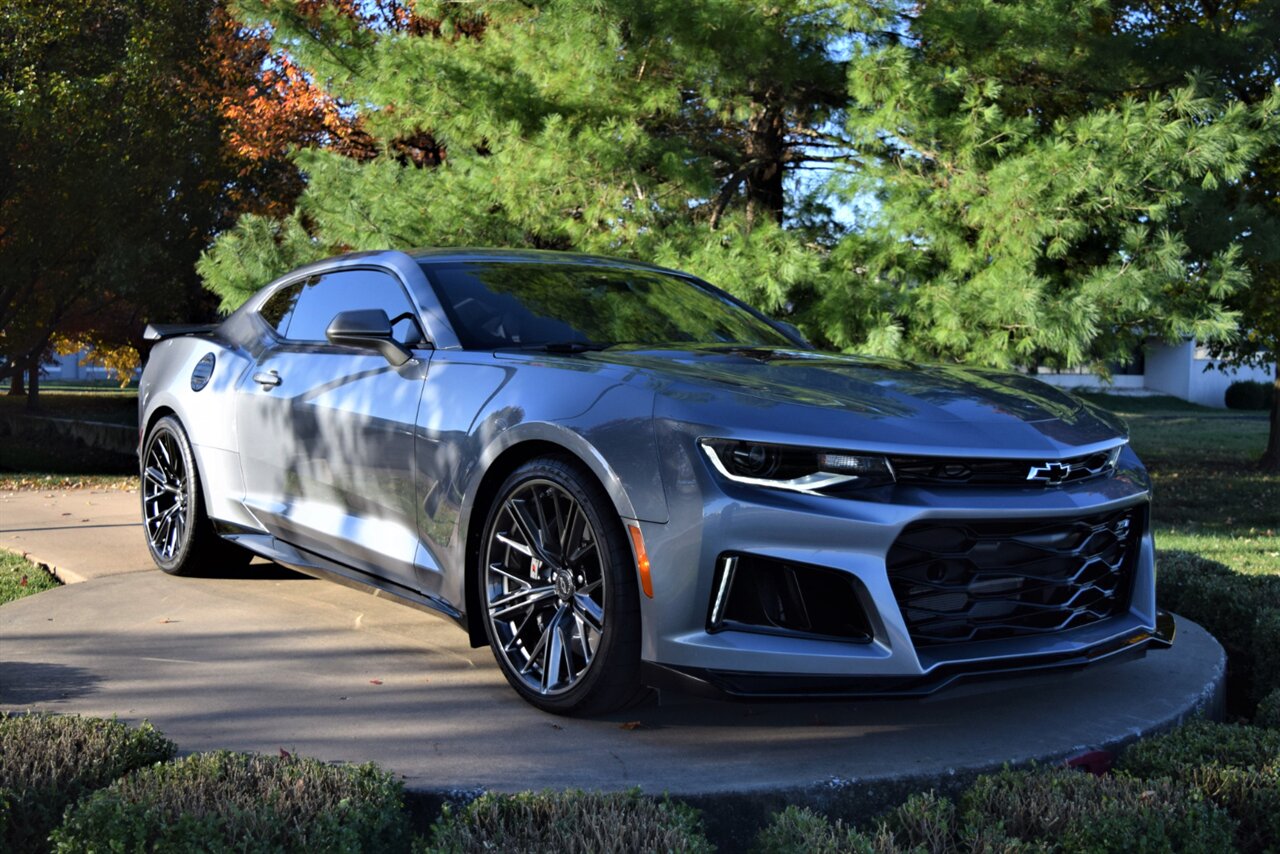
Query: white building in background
69	368
1183	370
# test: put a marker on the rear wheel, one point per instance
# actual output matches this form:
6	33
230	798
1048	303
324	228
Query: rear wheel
180	535
558	584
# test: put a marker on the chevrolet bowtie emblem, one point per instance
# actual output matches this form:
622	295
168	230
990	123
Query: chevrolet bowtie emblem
1049	473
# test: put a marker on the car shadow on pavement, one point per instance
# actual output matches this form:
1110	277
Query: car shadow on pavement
259	570
25	683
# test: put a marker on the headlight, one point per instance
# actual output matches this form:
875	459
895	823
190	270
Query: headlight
798	469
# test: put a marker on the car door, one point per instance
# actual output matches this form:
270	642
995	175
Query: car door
326	432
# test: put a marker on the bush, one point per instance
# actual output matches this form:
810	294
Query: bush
1235	767
802	829
1079	812
1232	607
1024	811
1268	714
48	762
568	822
223	802
1248	394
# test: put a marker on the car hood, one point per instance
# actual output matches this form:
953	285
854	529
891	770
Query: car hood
834	386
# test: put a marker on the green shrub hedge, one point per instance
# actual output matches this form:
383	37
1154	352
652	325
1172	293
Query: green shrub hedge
47	762
570	822
1081	812
1024	811
1241	611
225	802
1269	711
1249	394
1235	767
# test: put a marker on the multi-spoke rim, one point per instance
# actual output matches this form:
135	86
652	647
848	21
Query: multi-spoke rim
545	586
164	495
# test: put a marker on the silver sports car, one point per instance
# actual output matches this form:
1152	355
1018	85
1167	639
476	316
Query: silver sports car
618	476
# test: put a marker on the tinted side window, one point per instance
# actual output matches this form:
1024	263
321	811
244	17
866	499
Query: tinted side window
277	310
346	290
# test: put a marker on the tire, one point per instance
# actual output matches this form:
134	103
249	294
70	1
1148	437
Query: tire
558	587
180	535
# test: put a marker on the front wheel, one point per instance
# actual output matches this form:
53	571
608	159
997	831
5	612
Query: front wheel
562	609
180	535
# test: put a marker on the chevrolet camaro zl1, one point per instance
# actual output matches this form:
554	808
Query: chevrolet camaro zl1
618	476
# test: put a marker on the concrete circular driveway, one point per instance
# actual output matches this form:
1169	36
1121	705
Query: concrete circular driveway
271	660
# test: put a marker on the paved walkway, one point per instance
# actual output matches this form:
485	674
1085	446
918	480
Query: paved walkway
271	660
79	533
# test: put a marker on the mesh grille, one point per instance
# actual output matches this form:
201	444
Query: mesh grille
960	581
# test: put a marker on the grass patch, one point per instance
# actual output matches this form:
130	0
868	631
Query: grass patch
20	577
1210	498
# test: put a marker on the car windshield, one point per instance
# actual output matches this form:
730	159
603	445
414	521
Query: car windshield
577	306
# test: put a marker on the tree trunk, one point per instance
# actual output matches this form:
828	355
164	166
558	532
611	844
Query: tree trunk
33	383
1271	456
767	147
16	386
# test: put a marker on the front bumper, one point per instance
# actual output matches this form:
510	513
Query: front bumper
710	517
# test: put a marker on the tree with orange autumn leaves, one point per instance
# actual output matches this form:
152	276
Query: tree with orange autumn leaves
130	135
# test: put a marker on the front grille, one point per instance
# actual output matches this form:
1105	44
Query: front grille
959	581
956	471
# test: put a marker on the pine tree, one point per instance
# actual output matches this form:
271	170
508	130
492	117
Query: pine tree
667	131
1028	192
1237	42
1019	175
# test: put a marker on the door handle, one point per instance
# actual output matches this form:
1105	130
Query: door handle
267	378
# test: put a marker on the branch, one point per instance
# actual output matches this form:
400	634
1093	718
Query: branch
726	192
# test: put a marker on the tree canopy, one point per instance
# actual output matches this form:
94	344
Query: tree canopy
130	134
1044	183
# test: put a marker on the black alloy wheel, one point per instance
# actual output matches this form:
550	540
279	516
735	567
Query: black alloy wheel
180	535
558	582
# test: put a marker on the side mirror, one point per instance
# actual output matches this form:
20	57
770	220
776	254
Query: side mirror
368	328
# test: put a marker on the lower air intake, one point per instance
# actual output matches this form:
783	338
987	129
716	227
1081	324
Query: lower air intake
758	594
959	581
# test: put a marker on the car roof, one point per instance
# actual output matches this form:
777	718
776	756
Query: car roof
433	257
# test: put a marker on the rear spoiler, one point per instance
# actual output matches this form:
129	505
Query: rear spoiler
161	331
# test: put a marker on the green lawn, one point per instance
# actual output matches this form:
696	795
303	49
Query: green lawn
20	577
1209	496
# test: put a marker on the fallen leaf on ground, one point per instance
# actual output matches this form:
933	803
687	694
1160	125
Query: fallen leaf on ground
631	725
375	681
